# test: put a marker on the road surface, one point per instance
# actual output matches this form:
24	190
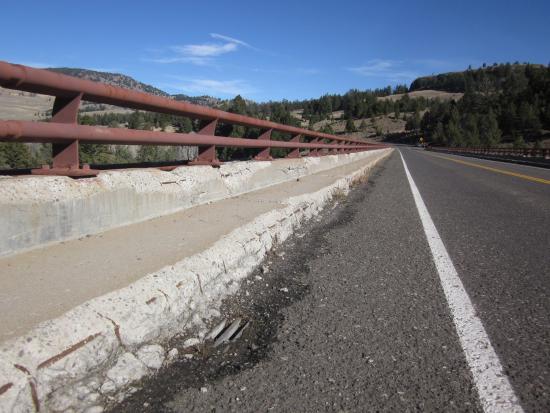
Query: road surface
416	293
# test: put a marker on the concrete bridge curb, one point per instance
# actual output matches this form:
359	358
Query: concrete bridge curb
92	355
36	211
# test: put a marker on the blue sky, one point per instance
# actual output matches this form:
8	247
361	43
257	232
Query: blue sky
274	49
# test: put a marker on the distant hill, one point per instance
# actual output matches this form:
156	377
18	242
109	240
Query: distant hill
427	94
204	100
115	79
484	79
30	106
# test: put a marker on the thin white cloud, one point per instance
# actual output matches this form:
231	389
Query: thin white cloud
204	53
214	87
230	39
199	61
205	50
389	69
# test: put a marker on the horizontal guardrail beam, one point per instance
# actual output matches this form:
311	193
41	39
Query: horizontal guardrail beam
46	82
29	131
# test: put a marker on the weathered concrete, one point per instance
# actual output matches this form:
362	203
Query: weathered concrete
35	211
94	352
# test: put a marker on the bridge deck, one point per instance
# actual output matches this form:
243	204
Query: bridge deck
44	283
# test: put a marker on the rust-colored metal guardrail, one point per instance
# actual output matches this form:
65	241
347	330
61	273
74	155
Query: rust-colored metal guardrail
65	134
543	153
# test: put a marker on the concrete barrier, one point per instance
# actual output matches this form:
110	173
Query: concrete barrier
35	211
91	356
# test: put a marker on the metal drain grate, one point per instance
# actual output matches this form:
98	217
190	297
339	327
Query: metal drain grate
227	333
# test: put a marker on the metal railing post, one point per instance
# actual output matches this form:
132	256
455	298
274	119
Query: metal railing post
65	155
264	154
294	153
314	152
207	154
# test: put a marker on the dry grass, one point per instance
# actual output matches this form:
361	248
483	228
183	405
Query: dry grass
428	94
386	123
18	105
23	106
361	179
339	195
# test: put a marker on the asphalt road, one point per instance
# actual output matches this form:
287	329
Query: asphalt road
496	227
350	314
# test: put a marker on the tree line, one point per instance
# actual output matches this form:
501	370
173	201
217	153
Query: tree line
505	102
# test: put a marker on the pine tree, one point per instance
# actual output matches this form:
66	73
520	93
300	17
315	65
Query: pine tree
325	105
439	134
519	142
15	155
238	105
327	129
454	134
350	126
471	131
148	153
528	117
122	154
93	153
413	122
184	125
396	111
136	120
312	121
490	133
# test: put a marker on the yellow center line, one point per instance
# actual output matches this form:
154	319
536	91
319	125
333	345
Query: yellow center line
498	170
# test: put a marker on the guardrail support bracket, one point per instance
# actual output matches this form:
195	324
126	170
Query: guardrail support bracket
294	153
342	150
314	152
207	154
65	156
264	154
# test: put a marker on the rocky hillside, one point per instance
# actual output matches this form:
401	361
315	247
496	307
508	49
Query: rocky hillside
30	106
204	100
115	79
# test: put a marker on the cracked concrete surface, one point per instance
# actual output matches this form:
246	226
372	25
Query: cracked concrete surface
36	211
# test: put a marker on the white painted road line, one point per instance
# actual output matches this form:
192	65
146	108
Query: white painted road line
493	388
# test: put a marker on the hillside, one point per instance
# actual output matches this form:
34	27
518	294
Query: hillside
484	79
115	79
16	105
199	100
502	105
31	106
427	94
